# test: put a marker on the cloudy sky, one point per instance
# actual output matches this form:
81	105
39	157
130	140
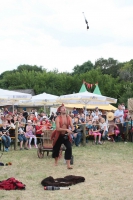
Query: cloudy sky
53	34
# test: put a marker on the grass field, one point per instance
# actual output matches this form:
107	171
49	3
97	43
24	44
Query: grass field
108	172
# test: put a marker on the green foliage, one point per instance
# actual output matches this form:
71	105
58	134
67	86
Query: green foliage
114	79
126	72
20	68
85	67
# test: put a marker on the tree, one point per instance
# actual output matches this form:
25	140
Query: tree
105	63
126	72
85	67
30	68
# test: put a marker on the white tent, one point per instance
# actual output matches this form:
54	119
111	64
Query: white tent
13	96
43	99
85	98
44	96
8	97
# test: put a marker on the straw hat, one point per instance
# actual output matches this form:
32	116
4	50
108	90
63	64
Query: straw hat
110	116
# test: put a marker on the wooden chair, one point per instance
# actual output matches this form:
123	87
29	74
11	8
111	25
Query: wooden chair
46	144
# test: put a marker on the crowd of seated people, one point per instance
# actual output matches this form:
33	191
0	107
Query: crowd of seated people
101	126
32	126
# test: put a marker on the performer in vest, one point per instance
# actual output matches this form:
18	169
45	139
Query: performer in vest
63	135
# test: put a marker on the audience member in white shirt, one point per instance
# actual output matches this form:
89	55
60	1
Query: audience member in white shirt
119	113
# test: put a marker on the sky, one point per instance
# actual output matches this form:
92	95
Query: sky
53	33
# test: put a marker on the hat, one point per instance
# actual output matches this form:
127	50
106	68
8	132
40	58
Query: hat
29	121
59	109
44	117
110	116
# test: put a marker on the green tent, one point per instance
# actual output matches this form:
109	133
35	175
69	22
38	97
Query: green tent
97	90
83	88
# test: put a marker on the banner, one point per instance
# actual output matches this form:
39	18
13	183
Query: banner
89	85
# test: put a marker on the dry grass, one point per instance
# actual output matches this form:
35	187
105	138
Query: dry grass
108	170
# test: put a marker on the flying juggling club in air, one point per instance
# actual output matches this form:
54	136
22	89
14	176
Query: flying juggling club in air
86	21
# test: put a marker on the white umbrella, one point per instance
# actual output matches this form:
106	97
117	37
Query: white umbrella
43	99
85	98
9	97
44	96
13	95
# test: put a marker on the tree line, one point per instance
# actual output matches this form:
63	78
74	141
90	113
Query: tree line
115	79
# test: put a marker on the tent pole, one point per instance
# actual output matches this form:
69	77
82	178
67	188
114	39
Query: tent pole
84	129
44	109
13	108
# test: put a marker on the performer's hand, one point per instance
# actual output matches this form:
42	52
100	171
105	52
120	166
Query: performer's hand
69	131
73	128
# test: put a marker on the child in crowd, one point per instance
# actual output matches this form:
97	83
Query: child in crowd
88	129
30	134
96	132
38	128
21	137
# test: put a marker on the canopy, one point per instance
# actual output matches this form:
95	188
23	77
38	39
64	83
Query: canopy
101	107
85	98
9	97
44	96
43	99
13	96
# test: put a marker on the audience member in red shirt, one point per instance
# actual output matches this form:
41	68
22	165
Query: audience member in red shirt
38	128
